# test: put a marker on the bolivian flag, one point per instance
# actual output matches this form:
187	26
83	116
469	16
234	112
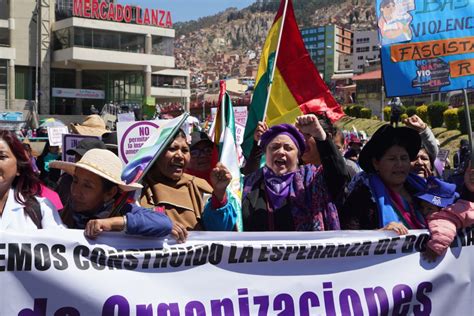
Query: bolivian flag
297	87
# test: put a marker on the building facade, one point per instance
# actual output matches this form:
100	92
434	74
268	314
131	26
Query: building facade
330	48
366	48
79	53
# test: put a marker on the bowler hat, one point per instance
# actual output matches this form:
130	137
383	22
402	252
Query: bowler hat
384	138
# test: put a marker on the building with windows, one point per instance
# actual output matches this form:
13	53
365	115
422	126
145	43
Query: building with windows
330	48
366	48
78	53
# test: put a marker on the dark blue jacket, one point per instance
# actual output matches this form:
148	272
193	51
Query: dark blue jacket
146	222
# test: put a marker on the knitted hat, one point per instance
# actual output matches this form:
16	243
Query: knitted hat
285	129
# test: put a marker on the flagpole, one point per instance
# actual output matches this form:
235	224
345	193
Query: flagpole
275	61
222	109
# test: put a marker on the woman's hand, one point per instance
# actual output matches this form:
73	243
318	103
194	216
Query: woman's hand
179	232
399	228
95	227
309	124
261	128
220	179
416	123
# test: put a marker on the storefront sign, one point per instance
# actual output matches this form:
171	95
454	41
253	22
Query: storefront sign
78	93
109	11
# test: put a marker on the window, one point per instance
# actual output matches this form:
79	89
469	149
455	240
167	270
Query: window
360	57
4	37
24	85
362	40
375	48
162	45
362	49
3	73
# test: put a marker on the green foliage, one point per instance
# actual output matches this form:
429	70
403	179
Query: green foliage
451	119
403	110
462	118
422	112
365	113
411	110
403	116
386	113
435	113
356	110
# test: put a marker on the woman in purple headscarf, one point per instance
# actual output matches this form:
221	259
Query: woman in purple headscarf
284	196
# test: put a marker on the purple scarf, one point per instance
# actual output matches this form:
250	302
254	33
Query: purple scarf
277	187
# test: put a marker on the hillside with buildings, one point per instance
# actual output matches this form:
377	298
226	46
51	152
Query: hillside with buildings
228	44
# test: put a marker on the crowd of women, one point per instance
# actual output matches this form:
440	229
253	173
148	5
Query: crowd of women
301	177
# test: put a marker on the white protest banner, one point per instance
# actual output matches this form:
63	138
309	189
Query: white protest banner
320	273
132	135
240	116
70	141
55	135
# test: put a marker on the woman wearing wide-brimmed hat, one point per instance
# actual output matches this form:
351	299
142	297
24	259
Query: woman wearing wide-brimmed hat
285	196
94	190
383	195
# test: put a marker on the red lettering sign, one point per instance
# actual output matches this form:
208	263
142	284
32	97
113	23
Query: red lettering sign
101	10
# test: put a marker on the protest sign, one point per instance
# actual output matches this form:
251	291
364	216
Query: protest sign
240	115
55	135
427	46
132	135
126	117
269	273
70	141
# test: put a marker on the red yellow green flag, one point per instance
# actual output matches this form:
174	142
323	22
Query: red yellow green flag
297	87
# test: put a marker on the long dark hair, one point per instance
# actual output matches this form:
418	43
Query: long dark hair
26	185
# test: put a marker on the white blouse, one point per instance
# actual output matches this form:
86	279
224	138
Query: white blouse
15	218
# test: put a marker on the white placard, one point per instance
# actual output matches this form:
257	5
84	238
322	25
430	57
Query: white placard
55	135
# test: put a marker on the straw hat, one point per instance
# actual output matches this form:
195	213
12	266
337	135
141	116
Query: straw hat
101	162
93	125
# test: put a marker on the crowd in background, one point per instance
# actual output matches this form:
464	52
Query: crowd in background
309	176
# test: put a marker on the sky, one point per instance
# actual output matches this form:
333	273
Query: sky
186	10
